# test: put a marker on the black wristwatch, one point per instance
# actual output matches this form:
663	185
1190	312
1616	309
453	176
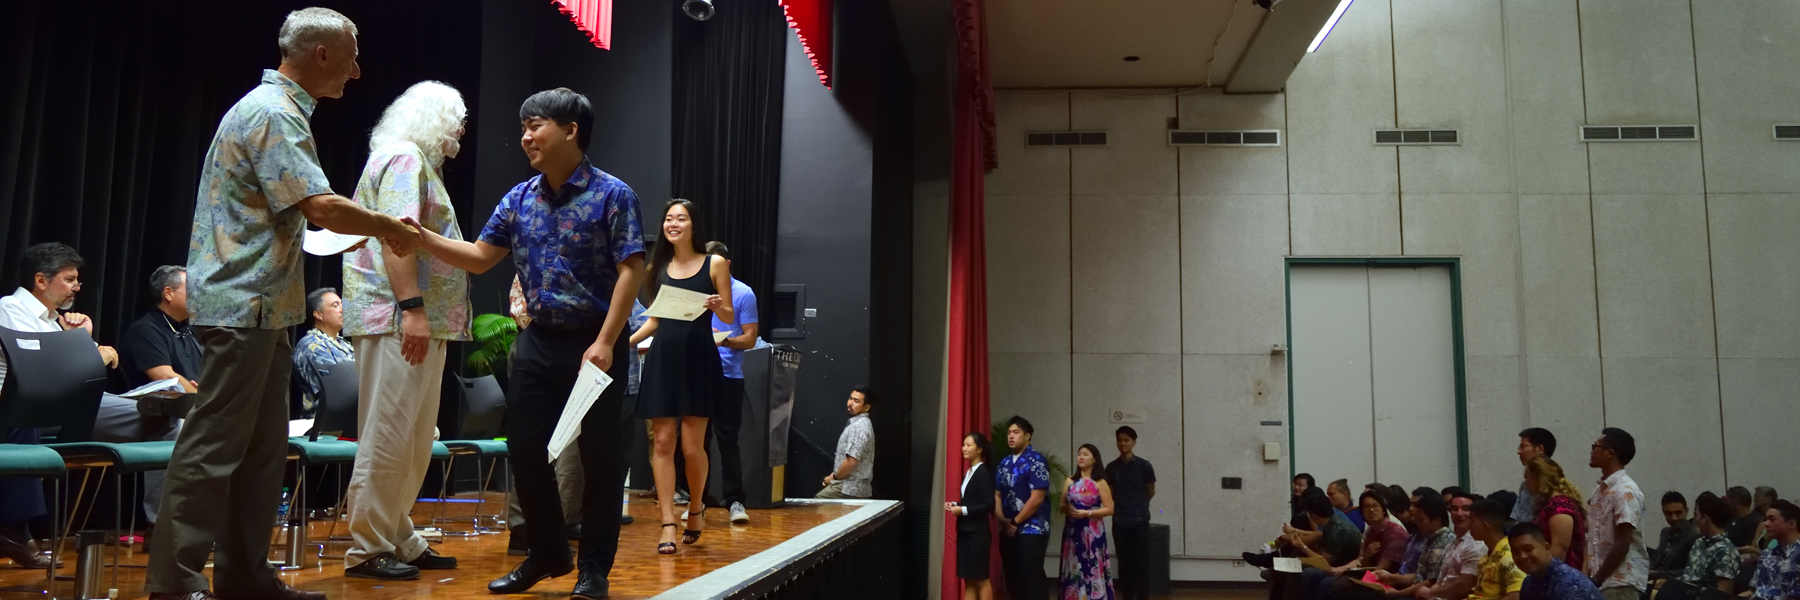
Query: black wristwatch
412	303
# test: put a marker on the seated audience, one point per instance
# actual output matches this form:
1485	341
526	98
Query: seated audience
1765	497
1506	497
1333	539
1560	513
1462	562
1296	514
1500	578
1425	552
1745	519
1671	552
1387	493
160	345
1546	577
323	345
1711	561
1339	492
1778	568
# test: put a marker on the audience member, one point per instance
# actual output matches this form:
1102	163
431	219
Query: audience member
1535	442
1333	540
728	416
1505	498
974	511
1560	514
1500	578
1021	484
1711	561
1745	519
1546	577
1425	554
403	311
1339	492
322	346
1087	501
1387	495
1615	555
1297	514
1462	562
161	345
1671	552
1765	497
1133	483
853	464
1778	568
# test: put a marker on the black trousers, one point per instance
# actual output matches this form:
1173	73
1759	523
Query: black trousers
545	366
727	419
1134	560
1022	557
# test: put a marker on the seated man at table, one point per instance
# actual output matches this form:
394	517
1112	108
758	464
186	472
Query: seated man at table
160	345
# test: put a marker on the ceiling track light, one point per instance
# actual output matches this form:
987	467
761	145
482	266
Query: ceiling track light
698	10
1342	6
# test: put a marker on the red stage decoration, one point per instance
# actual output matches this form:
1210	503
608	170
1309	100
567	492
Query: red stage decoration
811	20
972	154
593	17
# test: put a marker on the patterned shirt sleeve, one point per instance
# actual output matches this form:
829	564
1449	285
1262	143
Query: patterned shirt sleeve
1432	559
1039	477
286	163
626	235
516	304
499	228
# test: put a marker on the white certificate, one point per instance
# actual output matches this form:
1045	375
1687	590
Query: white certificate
588	386
676	303
324	242
719	336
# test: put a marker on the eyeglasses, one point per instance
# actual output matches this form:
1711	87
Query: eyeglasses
1601	447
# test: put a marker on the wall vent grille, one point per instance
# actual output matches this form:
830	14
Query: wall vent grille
1640	133
1787	133
1065	138
1417	137
1239	138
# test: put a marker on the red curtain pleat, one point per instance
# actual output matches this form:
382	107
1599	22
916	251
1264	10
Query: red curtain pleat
972	155
811	21
592	17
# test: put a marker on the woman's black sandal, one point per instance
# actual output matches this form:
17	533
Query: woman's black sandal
666	547
689	536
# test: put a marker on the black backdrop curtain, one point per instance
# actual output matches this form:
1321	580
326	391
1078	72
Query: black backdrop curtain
727	133
107	109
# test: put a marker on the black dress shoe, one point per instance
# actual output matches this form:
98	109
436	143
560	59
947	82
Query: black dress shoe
194	595
527	574
516	542
385	567
1266	561
624	519
589	586
430	560
22	552
279	591
574	532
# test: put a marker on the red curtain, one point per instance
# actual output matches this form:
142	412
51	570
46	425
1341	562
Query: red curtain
593	17
811	20
972	155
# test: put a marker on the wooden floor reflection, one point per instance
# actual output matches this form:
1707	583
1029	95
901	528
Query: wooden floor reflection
637	573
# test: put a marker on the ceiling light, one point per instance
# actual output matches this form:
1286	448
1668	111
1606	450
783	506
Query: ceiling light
698	10
1326	30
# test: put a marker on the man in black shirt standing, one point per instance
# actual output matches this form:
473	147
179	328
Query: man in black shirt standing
1133	483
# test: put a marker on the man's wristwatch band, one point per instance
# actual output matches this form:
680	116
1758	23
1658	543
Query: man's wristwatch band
411	303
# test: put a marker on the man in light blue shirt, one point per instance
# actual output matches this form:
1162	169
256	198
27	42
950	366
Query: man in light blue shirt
728	417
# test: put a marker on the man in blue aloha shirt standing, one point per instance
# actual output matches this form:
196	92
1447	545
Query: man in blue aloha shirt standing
1022	482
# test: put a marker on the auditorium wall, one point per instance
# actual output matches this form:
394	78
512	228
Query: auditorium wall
1648	286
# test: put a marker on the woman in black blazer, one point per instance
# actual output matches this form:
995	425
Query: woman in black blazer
974	536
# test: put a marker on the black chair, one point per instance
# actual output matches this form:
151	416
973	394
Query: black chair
336	413
481	410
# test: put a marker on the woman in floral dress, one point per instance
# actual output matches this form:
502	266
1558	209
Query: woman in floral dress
1086	501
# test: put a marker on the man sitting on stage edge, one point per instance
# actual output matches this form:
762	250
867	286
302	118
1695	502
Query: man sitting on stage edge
853	466
579	284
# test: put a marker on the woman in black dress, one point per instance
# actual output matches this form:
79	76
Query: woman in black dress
681	377
974	537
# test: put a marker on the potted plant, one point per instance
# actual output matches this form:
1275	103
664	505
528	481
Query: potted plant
494	335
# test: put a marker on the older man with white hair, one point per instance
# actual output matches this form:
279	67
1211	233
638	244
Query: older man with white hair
402	309
259	185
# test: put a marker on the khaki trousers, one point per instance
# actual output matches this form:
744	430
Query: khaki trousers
396	411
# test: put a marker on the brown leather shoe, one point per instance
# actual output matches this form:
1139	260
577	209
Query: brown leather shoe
23	553
194	595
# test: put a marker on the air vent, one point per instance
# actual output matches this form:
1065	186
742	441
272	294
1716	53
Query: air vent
1248	137
1639	133
1416	137
1788	133
1065	138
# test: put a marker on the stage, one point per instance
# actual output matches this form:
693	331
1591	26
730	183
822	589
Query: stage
776	555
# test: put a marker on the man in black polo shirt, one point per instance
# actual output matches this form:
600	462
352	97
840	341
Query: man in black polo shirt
160	345
1133	483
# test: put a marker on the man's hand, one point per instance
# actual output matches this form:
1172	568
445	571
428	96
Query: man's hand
599	354
407	237
1008	527
109	356
71	320
415	335
192	387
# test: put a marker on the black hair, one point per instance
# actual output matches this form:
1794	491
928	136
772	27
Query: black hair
1126	430
1490	511
1023	424
1310	483
1473	498
1397	499
1763	491
1674	497
867	392
1622	444
1098	473
717	248
1316	505
1341	484
1715	509
1738	494
1538	436
984	452
564	106
664	250
48	258
1527	529
1504	497
1433	505
1379	498
1450	493
1788	511
316	299
165	277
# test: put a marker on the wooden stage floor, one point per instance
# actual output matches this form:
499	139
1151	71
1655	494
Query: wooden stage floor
637	573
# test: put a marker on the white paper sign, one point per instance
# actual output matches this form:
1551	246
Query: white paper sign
324	242
1287	565
588	386
676	303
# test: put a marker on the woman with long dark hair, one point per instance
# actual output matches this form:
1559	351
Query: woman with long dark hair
679	383
1087	500
974	536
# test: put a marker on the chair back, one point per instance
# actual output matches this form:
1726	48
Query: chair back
336	412
52	380
484	408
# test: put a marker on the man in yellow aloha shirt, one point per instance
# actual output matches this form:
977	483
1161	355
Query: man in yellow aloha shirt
1500	579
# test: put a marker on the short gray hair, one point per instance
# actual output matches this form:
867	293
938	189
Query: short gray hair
316	299
166	276
309	28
